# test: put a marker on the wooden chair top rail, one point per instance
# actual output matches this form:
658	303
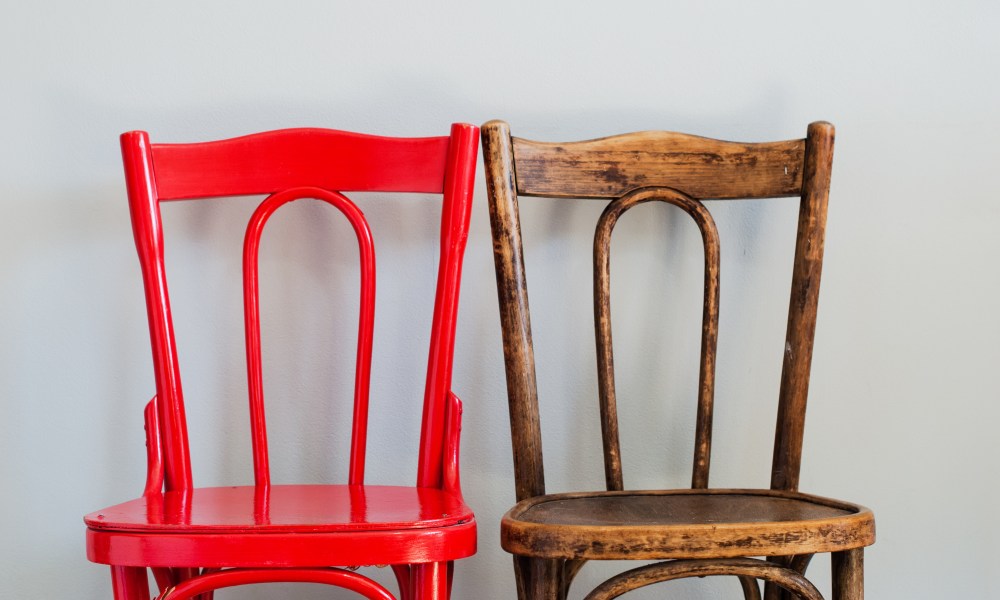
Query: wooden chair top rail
701	167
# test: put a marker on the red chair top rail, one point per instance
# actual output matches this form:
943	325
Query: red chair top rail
263	163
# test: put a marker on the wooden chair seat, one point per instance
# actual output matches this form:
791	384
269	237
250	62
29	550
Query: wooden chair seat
678	524
153	530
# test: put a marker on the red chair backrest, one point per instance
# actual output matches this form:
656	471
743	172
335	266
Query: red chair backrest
288	165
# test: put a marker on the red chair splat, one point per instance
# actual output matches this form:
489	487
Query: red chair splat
196	540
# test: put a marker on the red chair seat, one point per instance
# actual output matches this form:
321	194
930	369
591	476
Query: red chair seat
314	520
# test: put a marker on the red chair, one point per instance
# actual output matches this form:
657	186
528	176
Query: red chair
196	540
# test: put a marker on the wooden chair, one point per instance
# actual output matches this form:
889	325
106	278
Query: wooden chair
195	540
698	531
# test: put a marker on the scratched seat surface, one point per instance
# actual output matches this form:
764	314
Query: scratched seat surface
662	523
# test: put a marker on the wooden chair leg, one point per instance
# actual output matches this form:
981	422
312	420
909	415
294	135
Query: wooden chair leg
771	590
130	583
798	563
751	590
849	575
521	576
541	579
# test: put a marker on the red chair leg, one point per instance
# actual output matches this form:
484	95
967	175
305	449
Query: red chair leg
431	581
129	583
404	579
210	595
164	577
185	573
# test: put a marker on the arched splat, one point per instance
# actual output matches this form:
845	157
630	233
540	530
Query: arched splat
366	325
602	324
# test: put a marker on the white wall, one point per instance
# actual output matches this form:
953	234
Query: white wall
904	398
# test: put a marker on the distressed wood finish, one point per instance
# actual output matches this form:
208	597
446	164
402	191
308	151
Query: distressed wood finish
746	568
802	308
798	563
602	324
519	355
699	531
683	524
848	575
751	591
613	166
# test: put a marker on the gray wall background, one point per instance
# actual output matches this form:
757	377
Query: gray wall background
903	409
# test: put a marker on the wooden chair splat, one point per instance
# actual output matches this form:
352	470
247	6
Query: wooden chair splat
709	330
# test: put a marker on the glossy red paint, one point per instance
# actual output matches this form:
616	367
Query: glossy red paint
195	540
264	163
285	549
286	508
366	327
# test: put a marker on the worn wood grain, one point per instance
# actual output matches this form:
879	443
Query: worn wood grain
703	168
552	536
512	287
808	267
798	563
848	574
660	524
602	322
747	569
751	591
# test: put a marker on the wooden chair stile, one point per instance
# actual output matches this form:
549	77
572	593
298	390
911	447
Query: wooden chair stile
698	531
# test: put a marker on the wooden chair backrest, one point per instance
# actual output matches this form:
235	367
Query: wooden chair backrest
683	170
